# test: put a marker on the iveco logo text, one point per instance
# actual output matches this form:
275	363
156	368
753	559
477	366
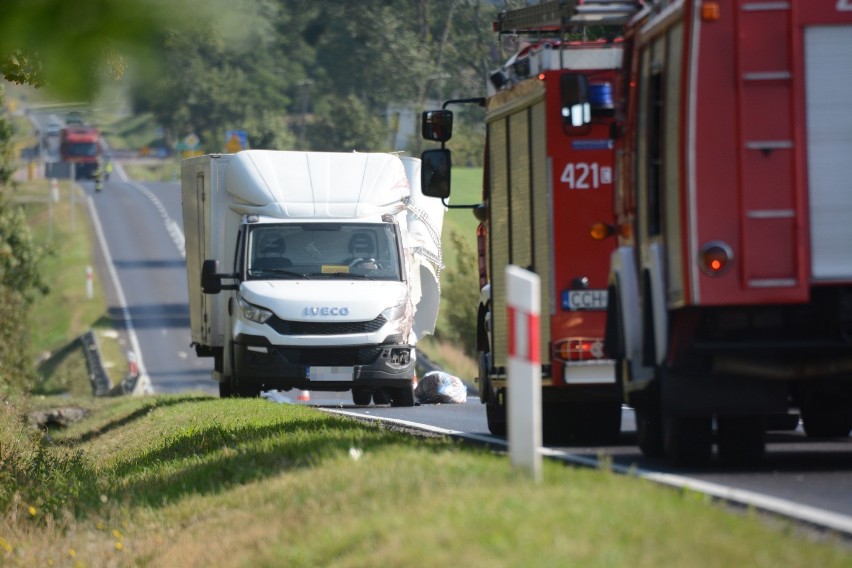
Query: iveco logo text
326	311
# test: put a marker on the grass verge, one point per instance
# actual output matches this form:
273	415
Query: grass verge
66	311
198	481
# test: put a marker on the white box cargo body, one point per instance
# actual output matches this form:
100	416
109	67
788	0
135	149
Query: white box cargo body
330	262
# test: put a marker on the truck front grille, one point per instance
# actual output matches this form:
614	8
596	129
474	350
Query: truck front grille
285	327
331	356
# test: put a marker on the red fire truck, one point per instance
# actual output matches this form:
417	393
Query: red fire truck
548	183
730	293
80	146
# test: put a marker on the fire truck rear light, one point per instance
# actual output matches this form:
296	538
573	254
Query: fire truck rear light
715	258
600	231
579	349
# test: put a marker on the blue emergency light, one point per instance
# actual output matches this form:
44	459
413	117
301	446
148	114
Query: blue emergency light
600	96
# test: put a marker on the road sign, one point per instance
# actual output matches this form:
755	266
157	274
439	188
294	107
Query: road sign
523	304
235	140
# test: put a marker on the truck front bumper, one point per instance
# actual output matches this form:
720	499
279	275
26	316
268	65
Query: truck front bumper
257	362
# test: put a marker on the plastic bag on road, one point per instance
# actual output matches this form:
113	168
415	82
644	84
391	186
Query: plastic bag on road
438	387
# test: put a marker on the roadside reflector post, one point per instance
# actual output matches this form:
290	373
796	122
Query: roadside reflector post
523	305
89	283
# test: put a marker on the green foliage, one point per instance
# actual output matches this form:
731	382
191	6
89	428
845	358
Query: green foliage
73	47
20	278
460	296
321	75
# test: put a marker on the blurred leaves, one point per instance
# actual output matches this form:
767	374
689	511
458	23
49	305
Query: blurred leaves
72	47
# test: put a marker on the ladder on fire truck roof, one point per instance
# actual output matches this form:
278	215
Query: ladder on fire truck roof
561	14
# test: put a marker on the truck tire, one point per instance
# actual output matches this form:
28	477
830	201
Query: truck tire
581	422
688	439
649	433
741	439
380	397
495	413
362	396
402	396
484	384
825	418
225	390
244	391
238	388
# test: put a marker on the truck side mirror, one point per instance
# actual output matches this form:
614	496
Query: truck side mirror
574	93
435	173
437	125
211	282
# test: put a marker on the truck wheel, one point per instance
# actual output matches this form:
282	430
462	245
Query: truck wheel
581	422
225	390
495	413
362	396
826	419
403	396
688	439
741	439
785	422
380	397
245	391
484	384
649	433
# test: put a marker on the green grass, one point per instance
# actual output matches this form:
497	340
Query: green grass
196	481
66	311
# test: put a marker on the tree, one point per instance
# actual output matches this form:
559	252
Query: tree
460	297
20	278
324	72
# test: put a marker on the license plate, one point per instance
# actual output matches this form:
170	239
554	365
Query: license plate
575	300
329	373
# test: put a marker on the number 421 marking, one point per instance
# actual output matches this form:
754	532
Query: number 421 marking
584	175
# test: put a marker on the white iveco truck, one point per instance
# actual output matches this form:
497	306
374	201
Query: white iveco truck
310	270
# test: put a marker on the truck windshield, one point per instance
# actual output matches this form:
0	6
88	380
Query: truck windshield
80	149
316	251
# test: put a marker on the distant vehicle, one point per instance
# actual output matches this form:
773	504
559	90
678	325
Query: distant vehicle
74	118
53	129
81	146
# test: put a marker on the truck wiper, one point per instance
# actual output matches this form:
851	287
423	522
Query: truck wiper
282	272
352	275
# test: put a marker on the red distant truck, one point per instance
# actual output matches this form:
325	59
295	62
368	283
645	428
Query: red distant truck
81	147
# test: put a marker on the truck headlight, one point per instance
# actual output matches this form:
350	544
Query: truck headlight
254	313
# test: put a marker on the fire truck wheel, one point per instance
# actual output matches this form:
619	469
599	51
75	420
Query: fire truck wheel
484	383
824	418
786	422
361	396
688	439
649	434
582	422
225	390
495	413
741	439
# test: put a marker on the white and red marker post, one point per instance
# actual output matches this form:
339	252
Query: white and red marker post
523	304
